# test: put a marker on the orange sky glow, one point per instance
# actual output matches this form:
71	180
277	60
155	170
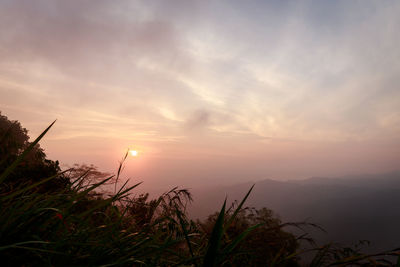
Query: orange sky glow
207	92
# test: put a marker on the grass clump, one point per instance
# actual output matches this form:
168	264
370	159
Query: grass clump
61	219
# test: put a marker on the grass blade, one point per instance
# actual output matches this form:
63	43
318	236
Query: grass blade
182	223
211	256
11	168
239	239
232	218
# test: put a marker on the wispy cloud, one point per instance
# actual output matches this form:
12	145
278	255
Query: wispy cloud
160	71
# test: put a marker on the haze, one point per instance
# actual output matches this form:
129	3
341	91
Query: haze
208	92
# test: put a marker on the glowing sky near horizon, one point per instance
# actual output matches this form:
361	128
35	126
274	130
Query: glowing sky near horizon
207	91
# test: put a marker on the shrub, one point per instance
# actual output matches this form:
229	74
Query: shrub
53	218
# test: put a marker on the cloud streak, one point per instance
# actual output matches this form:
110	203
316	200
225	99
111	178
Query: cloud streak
252	73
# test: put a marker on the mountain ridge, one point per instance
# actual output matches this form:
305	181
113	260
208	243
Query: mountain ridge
350	208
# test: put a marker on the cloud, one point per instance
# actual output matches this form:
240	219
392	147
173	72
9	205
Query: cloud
198	119
83	39
286	70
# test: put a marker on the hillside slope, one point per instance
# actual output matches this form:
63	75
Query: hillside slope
353	208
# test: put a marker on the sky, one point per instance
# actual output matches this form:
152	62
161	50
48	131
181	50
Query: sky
207	92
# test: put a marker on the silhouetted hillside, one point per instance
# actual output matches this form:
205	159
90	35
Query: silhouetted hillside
364	207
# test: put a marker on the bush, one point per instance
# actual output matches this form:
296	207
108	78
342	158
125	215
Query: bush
35	166
49	218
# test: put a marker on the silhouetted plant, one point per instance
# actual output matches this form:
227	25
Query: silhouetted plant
14	140
73	224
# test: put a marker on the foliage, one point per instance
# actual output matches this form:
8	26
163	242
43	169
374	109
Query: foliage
35	166
266	244
74	225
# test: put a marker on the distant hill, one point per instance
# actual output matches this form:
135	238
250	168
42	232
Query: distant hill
364	207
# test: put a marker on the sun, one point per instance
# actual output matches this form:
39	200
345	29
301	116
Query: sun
134	153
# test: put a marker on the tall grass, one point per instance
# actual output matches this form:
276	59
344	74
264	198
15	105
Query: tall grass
76	226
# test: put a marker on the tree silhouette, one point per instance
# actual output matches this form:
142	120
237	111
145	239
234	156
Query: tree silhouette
13	140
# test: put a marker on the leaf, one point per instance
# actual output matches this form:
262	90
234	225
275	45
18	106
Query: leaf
11	168
228	249
185	232
214	243
235	213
